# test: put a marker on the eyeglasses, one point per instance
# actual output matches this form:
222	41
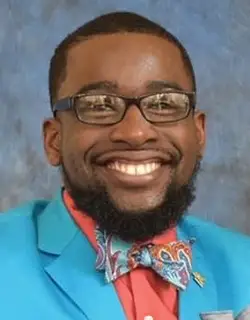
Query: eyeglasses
108	109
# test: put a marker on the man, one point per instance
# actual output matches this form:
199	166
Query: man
115	243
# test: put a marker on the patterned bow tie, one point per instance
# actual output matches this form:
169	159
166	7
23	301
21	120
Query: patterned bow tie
171	261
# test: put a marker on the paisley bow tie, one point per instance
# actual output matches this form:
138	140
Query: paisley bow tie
171	261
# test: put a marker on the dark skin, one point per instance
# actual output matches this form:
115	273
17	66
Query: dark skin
129	65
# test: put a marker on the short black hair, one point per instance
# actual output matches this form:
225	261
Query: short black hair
114	22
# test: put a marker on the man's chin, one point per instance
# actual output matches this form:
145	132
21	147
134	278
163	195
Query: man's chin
134	221
136	202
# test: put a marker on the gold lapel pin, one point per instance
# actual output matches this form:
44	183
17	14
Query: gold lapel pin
198	278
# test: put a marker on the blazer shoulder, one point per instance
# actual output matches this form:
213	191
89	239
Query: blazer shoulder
218	236
27	209
16	221
18	233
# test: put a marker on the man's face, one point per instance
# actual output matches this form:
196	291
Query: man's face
134	161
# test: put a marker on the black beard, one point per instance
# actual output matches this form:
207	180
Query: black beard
134	226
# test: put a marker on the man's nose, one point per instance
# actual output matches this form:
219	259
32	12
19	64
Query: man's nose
134	129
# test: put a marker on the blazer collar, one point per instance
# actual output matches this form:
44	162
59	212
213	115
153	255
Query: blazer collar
72	266
196	299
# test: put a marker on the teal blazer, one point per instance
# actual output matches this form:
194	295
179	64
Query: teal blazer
47	268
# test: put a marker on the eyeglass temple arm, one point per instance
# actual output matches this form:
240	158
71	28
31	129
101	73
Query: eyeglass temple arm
63	104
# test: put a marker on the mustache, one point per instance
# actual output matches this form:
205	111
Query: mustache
173	154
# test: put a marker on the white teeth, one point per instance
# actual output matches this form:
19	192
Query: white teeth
129	169
140	169
134	169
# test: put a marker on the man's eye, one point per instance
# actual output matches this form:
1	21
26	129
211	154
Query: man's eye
161	105
99	107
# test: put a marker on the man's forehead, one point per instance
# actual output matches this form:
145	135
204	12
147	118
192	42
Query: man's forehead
125	59
119	40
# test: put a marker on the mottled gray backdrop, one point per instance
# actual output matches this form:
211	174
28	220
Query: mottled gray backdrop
217	35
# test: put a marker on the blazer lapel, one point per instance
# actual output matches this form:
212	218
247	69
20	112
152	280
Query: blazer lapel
73	265
196	299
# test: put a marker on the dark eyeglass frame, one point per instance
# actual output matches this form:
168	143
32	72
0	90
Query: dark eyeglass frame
68	103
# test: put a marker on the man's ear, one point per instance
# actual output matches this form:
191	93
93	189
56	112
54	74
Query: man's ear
52	141
200	124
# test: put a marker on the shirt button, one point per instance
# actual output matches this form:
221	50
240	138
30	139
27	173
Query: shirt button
148	318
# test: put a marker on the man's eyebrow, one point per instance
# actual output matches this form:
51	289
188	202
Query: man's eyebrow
163	84
100	85
112	86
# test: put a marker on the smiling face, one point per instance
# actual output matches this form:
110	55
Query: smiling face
134	161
